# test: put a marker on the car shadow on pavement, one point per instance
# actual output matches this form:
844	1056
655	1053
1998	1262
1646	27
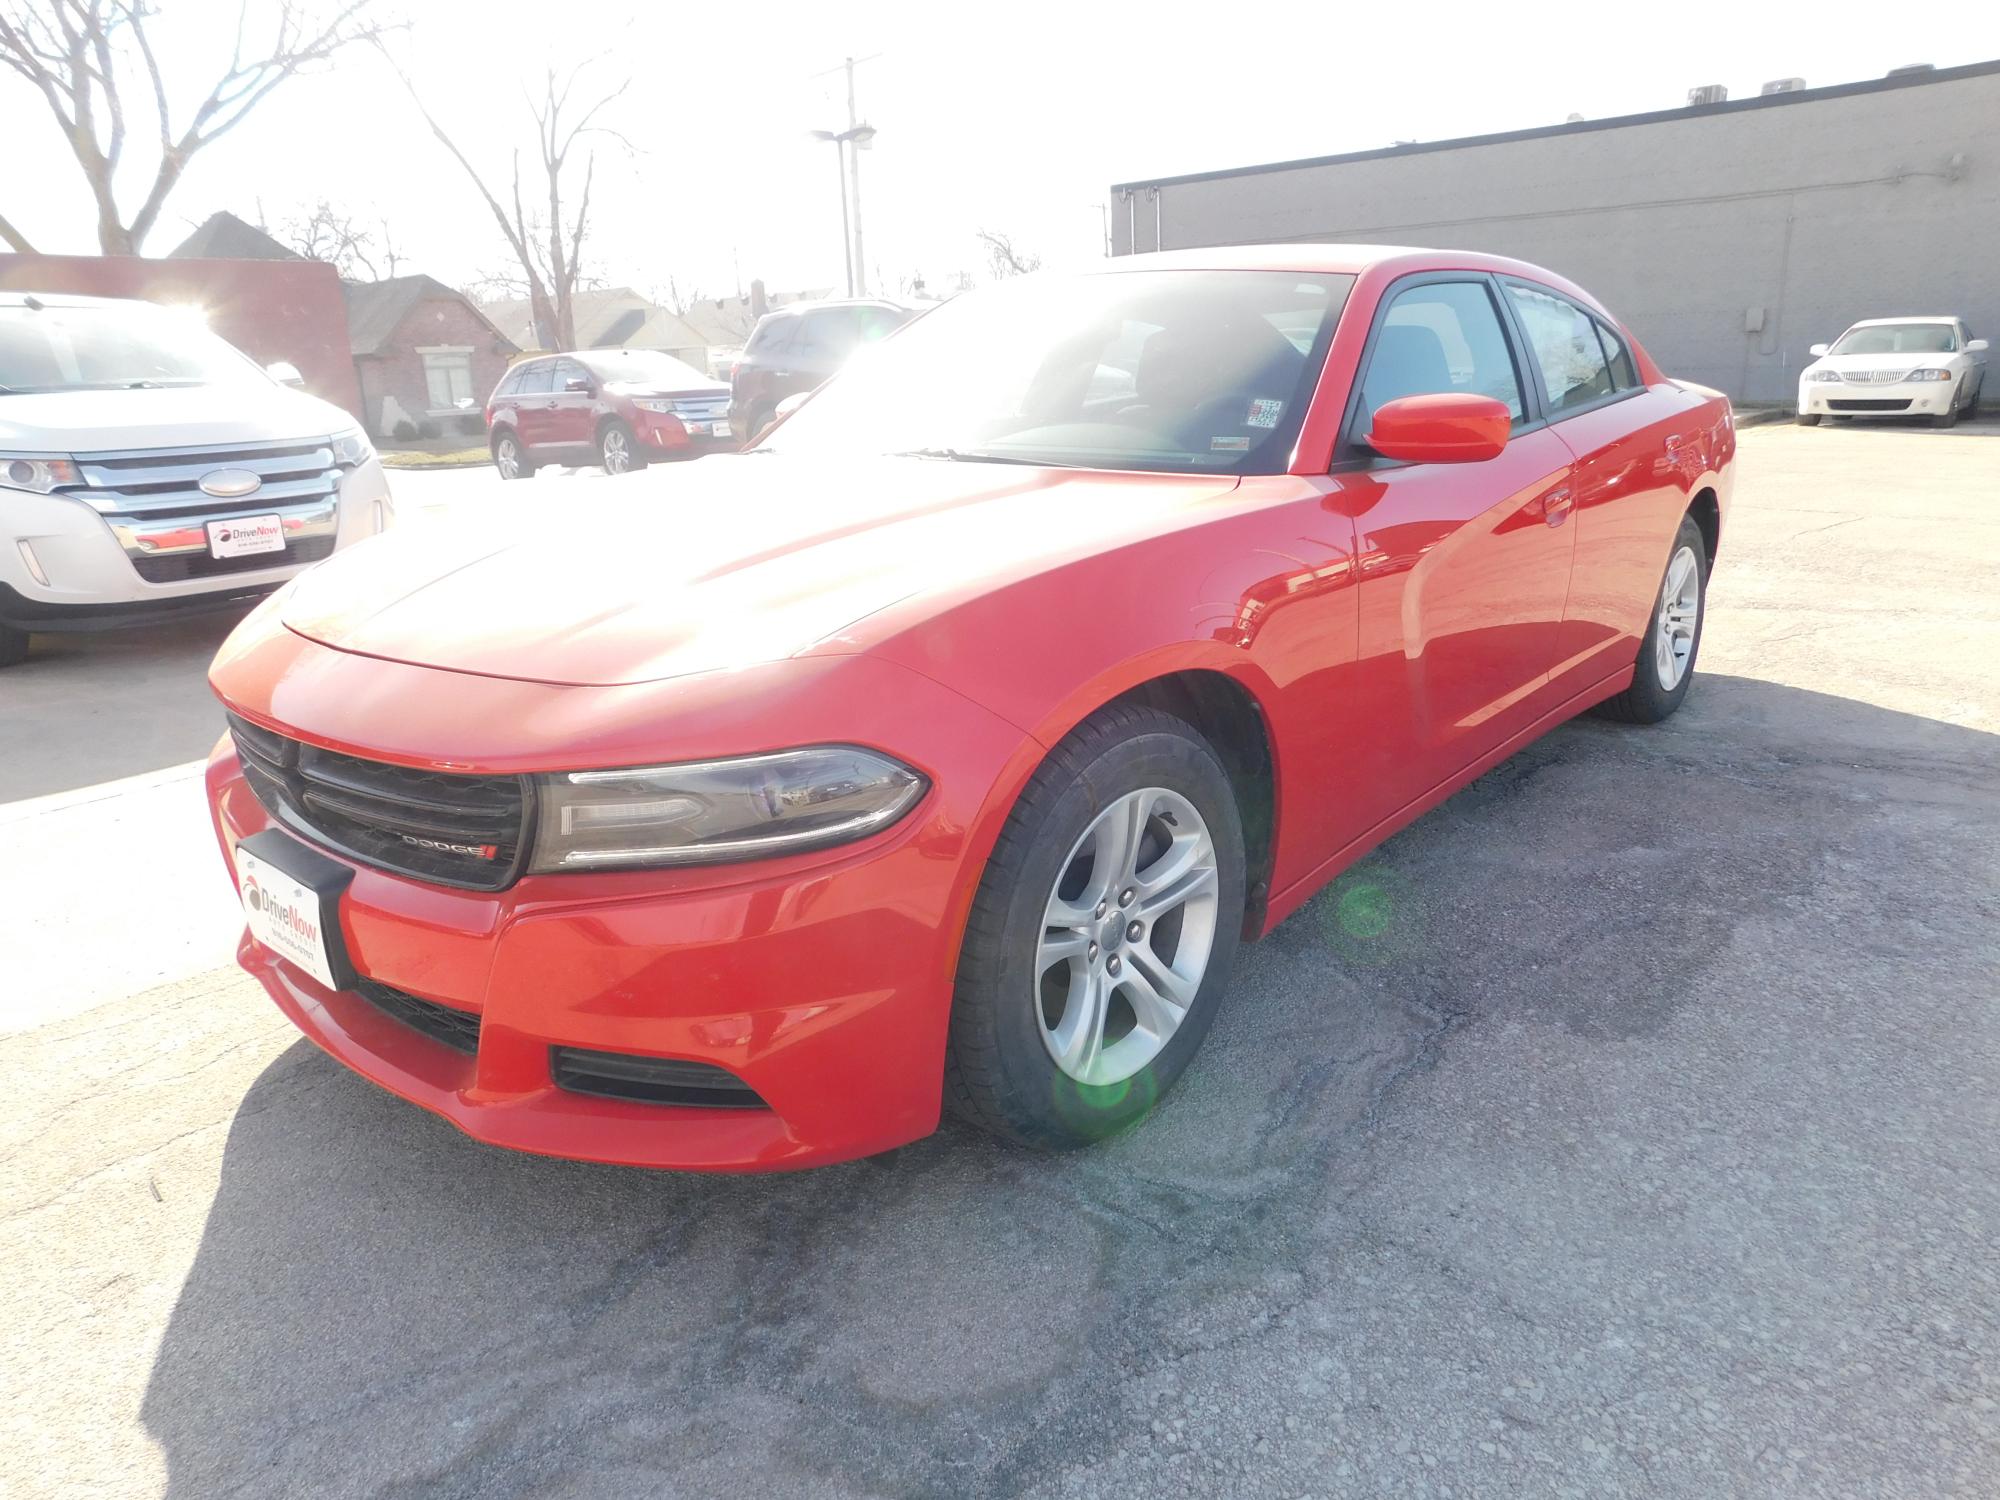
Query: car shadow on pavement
1401	1176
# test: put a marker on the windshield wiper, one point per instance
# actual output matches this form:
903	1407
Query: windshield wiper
960	456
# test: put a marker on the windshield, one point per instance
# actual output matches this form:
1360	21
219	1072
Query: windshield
112	348
1172	371
643	367
1899	338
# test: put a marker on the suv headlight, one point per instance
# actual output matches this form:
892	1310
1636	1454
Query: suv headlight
351	448
1928	375
666	407
715	811
38	473
1822	374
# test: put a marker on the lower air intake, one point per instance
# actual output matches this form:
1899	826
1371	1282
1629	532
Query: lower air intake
650	1080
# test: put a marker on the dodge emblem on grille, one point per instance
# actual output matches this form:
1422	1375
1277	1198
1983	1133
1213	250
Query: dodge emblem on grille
228	484
477	851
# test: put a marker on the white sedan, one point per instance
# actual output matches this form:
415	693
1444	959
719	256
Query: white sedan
1896	367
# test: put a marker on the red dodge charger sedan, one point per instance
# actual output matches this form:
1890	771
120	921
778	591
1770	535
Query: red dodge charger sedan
942	749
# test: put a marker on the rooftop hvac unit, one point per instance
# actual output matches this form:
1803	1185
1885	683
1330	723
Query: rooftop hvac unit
1708	93
1910	70
1783	86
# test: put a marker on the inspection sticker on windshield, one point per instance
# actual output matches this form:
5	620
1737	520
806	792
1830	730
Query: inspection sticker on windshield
1229	445
244	536
1264	412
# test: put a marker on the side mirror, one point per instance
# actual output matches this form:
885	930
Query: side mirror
286	373
581	385
1975	346
1818	349
1449	427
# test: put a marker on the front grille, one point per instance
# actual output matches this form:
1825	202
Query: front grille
179	567
1878	405
1873	377
650	1080
469	831
457	1029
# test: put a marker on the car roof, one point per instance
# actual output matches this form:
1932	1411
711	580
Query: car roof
1922	318
19	298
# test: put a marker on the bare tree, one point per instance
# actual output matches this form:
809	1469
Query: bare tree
1003	258
547	243
323	232
85	57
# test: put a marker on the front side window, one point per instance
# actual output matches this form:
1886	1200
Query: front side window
1899	338
448	379
1165	371
108	348
1567	351
1439	337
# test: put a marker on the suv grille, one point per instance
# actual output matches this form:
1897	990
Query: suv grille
469	831
457	1029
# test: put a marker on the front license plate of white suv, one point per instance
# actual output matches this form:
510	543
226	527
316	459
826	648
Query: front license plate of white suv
245	536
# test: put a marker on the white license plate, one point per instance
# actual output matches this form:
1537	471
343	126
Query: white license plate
719	429
283	915
245	536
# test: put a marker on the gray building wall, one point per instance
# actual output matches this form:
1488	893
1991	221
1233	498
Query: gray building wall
1803	213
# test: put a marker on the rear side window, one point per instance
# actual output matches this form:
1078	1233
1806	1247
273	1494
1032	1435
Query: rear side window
1438	337
1563	339
510	383
1624	376
829	334
537	380
771	334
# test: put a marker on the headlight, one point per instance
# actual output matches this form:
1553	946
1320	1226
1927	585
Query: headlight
712	811
666	407
36	473
1928	375
352	448
1822	374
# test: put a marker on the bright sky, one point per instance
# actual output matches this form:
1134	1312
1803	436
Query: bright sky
1015	117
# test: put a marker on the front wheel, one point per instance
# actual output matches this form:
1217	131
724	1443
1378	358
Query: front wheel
1945	418
618	449
1665	668
1102	937
1808	419
13	646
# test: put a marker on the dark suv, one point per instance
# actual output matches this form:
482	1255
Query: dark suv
795	348
618	408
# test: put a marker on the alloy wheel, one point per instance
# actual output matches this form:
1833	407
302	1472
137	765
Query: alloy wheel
1680	615
507	459
1126	936
617	452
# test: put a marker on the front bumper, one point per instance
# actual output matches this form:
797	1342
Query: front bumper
1916	398
667	437
64	567
823	982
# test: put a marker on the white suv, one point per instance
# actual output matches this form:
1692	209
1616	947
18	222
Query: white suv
148	469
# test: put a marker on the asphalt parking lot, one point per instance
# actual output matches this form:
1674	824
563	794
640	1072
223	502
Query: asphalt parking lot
1631	1124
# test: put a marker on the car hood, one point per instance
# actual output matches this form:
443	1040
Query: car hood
196	416
717	564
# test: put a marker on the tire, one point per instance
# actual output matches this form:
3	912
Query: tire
1650	698
13	646
505	443
618	449
1972	406
759	420
1012	1008
1945	418
1808	419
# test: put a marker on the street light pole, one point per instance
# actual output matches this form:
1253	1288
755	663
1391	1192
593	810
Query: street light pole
857	276
845	141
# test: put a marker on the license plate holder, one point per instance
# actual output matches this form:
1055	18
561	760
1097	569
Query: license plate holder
291	903
246	536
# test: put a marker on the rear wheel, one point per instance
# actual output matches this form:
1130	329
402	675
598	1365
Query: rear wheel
508	458
1808	419
618	449
1102	937
13	646
1665	668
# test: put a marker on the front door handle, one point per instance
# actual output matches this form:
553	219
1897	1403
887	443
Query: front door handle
1556	505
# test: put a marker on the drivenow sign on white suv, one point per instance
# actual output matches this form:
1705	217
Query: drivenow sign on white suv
148	469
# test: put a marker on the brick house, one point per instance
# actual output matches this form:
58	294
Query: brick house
423	354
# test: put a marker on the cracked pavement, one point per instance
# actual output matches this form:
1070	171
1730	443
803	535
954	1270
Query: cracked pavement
1627	1126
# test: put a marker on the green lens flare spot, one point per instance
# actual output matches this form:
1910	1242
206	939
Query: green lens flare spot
1365	910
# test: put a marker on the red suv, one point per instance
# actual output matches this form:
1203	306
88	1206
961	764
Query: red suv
616	408
797	348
